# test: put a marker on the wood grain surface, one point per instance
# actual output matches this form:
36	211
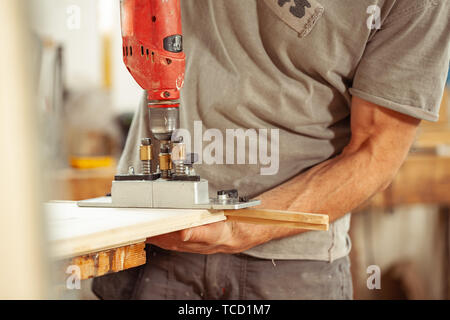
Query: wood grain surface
75	231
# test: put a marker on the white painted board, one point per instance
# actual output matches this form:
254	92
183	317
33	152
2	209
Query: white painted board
75	231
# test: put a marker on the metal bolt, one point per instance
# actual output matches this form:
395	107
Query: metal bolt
179	139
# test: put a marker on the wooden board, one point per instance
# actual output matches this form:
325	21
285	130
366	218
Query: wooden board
296	225
75	231
98	264
299	220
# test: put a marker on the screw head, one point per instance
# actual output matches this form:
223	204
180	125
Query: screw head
177	139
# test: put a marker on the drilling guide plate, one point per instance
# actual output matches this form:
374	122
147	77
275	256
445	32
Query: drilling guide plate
165	195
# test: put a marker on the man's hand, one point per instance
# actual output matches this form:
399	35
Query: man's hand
225	237
380	141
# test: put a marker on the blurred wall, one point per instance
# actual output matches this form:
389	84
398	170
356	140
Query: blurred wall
58	20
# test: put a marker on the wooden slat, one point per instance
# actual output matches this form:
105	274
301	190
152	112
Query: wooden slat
297	225
278	215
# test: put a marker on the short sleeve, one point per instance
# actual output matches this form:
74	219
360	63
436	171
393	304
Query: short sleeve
405	64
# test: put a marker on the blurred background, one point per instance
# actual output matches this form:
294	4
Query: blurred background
67	81
85	91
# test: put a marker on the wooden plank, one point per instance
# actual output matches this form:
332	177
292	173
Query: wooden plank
118	259
297	225
110	261
75	231
312	218
301	220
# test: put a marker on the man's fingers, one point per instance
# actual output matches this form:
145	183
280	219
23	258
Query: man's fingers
178	238
191	247
216	233
203	234
204	239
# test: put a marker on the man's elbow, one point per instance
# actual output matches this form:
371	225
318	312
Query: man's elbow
389	168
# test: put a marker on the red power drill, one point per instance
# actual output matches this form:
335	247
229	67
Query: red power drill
153	54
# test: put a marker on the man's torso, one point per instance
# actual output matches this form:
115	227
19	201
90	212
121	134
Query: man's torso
248	68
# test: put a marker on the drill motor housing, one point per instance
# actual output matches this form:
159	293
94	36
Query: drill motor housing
153	48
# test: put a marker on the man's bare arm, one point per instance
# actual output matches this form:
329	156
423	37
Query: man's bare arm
380	142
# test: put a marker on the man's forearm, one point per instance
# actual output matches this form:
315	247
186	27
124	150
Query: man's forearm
336	187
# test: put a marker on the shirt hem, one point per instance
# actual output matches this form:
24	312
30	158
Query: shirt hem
414	112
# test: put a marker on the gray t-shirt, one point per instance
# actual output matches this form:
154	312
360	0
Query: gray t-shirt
293	66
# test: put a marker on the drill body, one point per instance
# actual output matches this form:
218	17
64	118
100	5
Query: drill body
153	54
153	47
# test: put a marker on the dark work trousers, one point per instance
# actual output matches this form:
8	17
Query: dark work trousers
175	275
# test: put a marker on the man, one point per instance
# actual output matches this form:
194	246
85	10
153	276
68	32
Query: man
346	83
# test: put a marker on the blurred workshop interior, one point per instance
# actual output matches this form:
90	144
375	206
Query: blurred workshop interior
84	106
